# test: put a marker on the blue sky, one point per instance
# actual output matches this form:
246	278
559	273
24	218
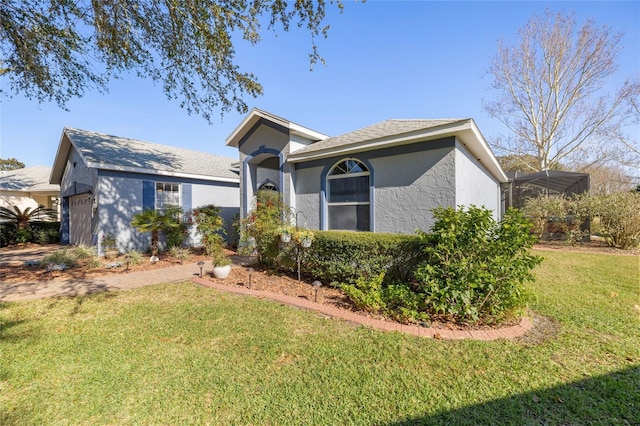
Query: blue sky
384	59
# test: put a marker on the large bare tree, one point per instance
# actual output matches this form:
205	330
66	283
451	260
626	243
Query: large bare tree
55	50
553	93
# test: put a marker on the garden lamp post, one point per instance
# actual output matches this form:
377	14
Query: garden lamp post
316	286
250	271
201	265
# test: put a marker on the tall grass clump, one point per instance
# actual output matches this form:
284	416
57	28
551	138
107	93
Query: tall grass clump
62	256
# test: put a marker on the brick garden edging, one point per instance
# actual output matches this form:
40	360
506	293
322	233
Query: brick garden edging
438	333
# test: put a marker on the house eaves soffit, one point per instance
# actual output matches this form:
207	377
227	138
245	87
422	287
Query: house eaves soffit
388	141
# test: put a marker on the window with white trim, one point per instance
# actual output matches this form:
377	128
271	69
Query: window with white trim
167	194
348	196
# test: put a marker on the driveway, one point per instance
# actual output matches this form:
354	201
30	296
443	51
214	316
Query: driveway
16	255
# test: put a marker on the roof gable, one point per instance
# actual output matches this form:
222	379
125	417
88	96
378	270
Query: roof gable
107	152
257	115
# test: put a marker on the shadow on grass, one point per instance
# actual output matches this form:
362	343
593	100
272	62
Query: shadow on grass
609	399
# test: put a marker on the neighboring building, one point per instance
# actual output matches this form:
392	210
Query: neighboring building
387	177
28	188
105	180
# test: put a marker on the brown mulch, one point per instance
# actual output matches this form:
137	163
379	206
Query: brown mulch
276	282
264	279
16	271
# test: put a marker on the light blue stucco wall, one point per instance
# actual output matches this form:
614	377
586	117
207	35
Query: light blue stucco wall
409	186
409	182
474	185
120	197
307	183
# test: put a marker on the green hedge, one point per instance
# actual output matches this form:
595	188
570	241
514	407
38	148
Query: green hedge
37	232
343	256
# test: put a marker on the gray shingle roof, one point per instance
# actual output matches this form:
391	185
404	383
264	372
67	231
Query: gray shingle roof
118	153
372	133
29	179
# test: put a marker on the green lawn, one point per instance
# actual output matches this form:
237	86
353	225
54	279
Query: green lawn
183	354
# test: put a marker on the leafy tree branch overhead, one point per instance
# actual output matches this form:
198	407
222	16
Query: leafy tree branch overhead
55	50
10	164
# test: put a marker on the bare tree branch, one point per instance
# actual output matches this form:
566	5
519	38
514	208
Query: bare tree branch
552	93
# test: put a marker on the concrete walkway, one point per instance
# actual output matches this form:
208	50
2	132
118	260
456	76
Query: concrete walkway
110	282
190	271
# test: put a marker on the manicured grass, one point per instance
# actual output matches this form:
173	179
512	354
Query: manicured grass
182	354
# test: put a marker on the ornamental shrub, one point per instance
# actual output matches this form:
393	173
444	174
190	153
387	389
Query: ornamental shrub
210	226
619	215
346	256
366	293
557	217
475	267
177	232
259	231
396	300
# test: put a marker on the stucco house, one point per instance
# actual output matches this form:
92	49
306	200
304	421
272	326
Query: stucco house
105	180
387	177
28	187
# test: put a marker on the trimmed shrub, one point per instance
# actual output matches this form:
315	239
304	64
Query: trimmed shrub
36	232
345	256
475	267
7	233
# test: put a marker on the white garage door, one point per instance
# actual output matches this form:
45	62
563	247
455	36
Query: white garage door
80	220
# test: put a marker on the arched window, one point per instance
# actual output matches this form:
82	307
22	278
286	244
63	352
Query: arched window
269	186
348	196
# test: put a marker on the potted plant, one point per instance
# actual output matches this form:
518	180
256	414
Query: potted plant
109	242
304	237
221	264
285	233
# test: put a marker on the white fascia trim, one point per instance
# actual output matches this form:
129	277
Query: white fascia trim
306	133
394	140
161	172
481	150
249	121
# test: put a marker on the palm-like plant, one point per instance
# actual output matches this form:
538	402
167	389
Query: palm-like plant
153	221
22	217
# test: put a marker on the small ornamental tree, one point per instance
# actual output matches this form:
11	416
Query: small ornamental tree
263	225
475	267
210	226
